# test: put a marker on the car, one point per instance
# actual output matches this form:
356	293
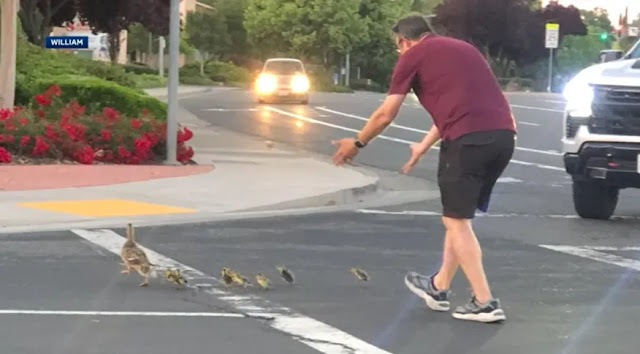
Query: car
601	133
283	80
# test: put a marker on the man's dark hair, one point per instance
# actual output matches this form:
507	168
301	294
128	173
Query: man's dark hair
412	27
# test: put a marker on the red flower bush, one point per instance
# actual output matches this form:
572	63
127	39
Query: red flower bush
51	128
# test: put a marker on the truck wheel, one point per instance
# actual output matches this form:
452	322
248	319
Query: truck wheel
594	199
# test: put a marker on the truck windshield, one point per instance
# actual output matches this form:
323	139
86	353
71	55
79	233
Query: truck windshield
635	53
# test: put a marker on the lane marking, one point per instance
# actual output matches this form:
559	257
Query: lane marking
231	109
106	207
509	180
538	108
555	101
384	137
398	126
609	248
507	215
596	256
528	123
122	313
315	334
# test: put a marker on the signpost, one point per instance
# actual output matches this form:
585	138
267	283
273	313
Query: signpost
552	35
633	31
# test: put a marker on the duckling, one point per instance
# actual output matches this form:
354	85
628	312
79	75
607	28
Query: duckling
174	276
360	273
286	274
134	257
239	279
226	276
263	281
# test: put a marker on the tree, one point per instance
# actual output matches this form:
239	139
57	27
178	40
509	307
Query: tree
376	57
507	31
324	29
597	18
424	6
233	11
207	32
39	16
114	16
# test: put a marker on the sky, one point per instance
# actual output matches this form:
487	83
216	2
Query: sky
614	7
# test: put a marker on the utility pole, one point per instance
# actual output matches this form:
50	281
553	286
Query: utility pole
8	39
174	54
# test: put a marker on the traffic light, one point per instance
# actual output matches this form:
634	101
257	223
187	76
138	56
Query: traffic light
604	36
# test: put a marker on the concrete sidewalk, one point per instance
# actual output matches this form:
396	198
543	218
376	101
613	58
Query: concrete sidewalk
244	173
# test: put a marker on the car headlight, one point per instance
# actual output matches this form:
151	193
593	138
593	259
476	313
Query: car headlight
300	83
579	95
266	84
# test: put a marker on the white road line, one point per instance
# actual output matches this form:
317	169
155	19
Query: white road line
509	215
231	109
394	125
554	101
509	180
596	256
315	334
384	137
609	248
537	108
553	153
531	124
122	313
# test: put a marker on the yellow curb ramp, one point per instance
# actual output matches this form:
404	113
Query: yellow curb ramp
106	207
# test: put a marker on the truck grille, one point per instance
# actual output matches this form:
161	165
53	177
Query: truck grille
616	111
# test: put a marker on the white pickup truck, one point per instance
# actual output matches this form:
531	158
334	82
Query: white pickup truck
601	133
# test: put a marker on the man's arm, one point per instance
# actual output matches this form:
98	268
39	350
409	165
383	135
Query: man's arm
432	137
381	118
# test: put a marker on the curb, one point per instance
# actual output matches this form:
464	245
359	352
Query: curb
343	197
206	218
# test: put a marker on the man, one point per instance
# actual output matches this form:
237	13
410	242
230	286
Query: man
473	119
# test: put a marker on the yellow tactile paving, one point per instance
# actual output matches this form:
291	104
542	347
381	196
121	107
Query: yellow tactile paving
106	207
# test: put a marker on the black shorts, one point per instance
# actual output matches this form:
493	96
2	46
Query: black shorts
469	168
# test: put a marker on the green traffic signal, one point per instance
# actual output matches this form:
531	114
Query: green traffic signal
604	36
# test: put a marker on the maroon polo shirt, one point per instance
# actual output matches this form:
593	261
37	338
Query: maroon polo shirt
454	84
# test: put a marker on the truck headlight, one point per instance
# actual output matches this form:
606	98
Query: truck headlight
300	83
579	95
266	83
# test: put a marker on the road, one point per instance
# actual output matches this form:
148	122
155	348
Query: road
567	285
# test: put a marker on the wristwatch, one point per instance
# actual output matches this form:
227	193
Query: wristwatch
360	144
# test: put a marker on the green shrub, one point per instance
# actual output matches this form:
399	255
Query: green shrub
366	85
139	69
196	80
146	81
38	63
96	94
109	72
190	70
226	72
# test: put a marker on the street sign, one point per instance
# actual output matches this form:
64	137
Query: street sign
552	35
633	31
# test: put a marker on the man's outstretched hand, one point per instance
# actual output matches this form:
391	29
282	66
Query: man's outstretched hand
347	149
417	150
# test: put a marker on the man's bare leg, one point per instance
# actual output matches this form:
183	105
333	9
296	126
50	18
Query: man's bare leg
469	255
442	280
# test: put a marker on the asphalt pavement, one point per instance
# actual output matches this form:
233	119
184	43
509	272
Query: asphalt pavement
574	299
568	285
